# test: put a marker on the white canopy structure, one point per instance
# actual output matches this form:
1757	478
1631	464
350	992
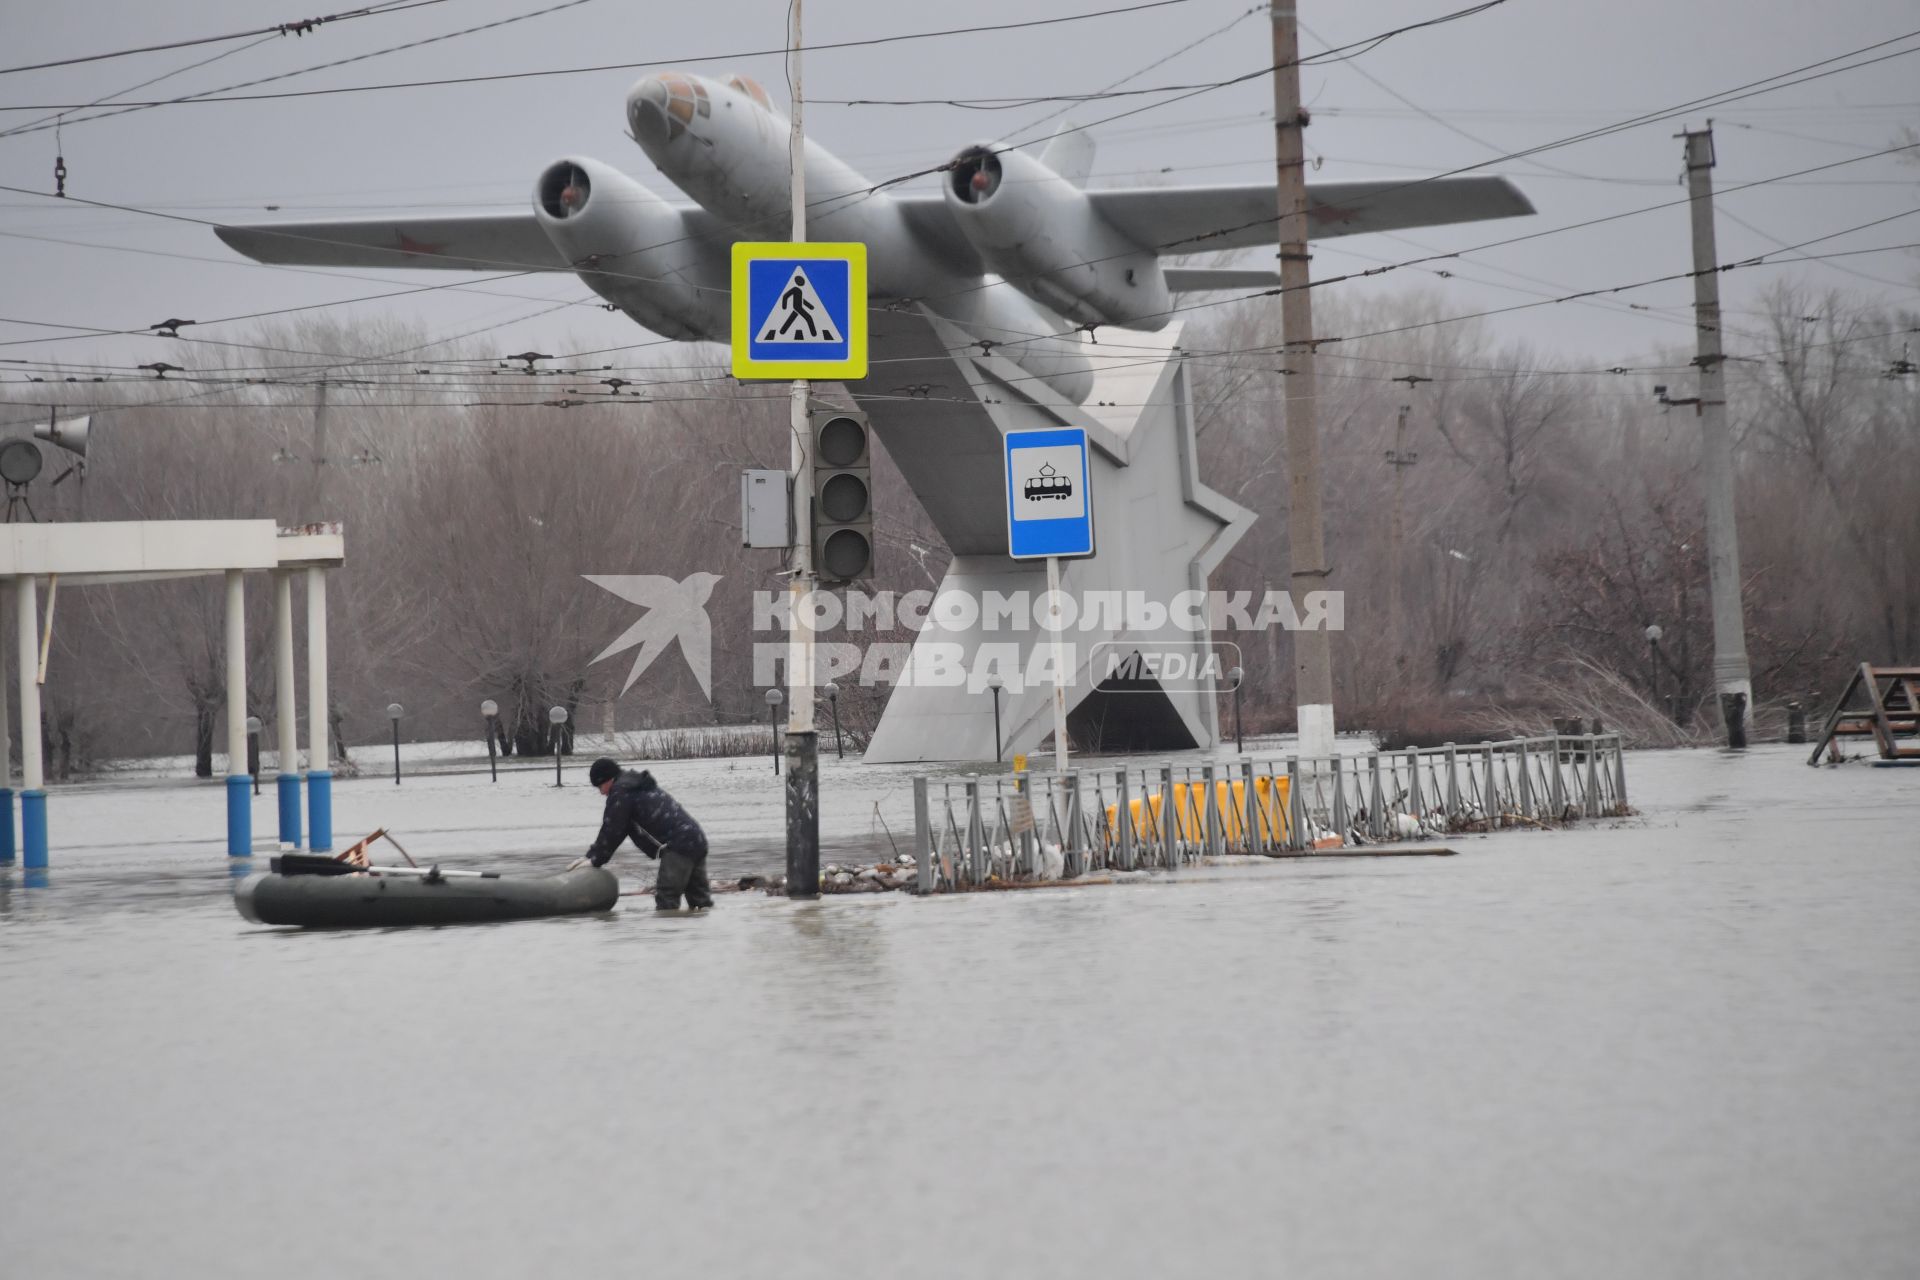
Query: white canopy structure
103	553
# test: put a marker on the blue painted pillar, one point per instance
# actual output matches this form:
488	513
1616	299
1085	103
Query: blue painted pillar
239	781
289	788
6	745
320	810
239	815
33	827
285	697
33	800
319	779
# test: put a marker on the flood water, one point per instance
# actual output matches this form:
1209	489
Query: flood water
1682	1045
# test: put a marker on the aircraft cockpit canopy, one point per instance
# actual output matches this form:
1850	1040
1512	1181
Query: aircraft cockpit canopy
749	86
677	99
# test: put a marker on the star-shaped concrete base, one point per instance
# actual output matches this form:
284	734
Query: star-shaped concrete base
1158	532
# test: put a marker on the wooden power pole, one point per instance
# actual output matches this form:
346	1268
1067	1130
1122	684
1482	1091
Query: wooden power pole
1306	533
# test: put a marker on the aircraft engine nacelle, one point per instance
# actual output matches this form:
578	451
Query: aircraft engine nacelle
632	248
1041	233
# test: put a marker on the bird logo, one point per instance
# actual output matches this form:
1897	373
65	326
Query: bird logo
674	611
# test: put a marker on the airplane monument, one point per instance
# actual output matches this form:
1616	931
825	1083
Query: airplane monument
988	296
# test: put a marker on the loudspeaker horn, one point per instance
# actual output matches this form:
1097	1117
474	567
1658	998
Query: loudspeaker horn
70	435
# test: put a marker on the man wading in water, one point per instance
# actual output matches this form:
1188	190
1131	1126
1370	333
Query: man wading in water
638	809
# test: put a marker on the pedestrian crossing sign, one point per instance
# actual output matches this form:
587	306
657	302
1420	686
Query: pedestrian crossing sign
800	311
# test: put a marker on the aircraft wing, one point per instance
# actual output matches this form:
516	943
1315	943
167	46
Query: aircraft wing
456	242
1184	220
1201	219
1204	280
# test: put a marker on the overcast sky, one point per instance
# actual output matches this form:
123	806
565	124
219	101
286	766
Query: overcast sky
1523	73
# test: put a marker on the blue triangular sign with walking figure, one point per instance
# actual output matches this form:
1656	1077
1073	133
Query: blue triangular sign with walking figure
798	315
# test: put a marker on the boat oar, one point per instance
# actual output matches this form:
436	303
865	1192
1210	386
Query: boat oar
388	837
303	864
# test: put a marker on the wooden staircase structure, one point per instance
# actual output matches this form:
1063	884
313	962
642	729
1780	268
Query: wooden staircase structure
1892	711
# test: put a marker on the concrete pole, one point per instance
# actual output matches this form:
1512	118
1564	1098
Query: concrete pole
802	743
6	749
239	782
1730	674
33	795
286	715
317	495
319	776
1306	534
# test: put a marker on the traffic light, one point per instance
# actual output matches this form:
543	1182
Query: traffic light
842	495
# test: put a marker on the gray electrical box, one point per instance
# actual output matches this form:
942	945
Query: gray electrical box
766	508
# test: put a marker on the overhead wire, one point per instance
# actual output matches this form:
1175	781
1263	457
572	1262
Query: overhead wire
296	27
208	94
495	77
1374	41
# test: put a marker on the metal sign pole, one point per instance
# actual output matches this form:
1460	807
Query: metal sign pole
1049	514
1059	667
803	743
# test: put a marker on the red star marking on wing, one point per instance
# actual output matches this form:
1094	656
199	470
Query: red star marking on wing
407	244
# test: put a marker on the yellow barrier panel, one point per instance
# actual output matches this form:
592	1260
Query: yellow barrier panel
1270	809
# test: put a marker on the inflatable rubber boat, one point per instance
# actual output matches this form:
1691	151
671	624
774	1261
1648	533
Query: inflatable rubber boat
302	891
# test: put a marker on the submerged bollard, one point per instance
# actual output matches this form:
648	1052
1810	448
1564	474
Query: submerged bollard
33	828
1796	723
6	828
287	787
319	811
239	816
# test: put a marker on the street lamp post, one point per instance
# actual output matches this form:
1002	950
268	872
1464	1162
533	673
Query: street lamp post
1653	634
994	682
774	699
833	701
253	751
394	712
556	716
488	710
1236	675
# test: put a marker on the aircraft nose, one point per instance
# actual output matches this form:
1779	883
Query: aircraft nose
661	108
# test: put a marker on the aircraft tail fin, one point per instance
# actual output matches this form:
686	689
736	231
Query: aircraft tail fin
1070	155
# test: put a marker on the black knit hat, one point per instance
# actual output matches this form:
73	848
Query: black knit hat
603	770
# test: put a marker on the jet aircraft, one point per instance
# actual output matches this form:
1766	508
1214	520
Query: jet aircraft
1011	246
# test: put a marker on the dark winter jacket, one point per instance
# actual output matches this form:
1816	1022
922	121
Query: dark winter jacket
638	809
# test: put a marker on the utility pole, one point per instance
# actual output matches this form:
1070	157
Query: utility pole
317	495
1399	459
1306	533
1730	675
803	743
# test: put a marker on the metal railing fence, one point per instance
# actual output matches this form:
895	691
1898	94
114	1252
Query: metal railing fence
1006	827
